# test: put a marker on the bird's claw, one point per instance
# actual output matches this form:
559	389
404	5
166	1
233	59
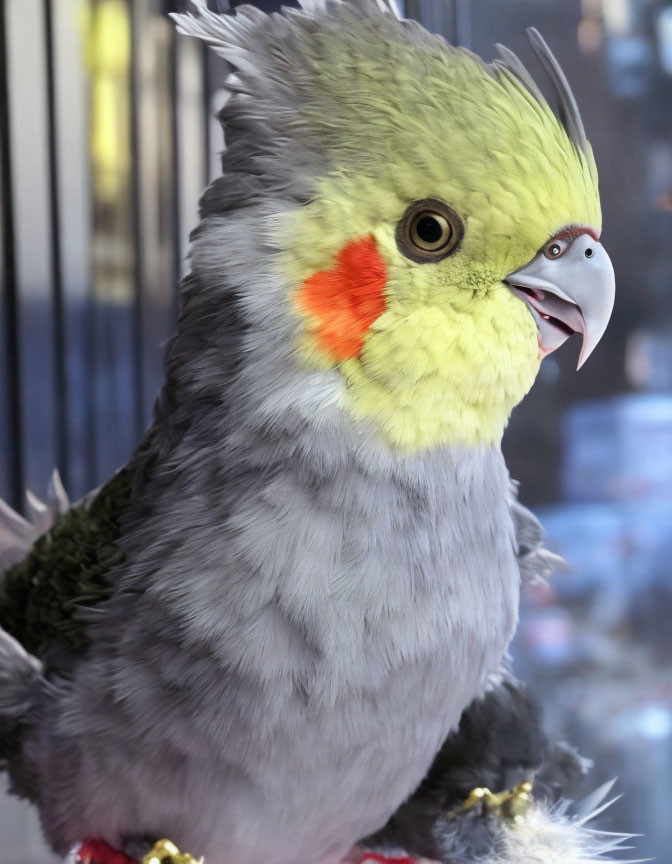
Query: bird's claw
166	852
511	805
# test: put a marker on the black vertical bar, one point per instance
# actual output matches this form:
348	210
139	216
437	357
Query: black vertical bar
10	282
136	223
60	376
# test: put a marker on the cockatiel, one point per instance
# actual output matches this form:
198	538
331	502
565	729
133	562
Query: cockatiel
255	638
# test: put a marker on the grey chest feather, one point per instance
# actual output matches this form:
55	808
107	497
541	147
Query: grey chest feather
369	609
330	629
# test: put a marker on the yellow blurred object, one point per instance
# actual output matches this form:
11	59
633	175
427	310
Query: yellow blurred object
108	57
165	852
107	38
511	805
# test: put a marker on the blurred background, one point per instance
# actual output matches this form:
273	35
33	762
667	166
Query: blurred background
107	138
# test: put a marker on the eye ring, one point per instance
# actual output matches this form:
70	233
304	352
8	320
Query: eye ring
429	231
555	248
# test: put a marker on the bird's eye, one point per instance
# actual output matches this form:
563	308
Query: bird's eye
555	248
429	230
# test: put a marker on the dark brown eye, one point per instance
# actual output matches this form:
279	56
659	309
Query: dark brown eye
555	248
429	230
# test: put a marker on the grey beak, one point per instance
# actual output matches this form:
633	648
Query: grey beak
573	293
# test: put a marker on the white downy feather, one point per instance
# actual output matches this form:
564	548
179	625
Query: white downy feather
17	534
560	834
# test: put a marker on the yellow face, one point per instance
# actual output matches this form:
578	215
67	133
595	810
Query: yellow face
436	349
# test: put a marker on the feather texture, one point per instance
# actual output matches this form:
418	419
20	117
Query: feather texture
17	534
551	835
568	109
315	568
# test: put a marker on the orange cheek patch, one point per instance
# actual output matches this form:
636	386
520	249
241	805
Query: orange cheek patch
346	299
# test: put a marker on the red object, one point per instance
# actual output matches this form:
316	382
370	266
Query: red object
346	299
100	852
384	859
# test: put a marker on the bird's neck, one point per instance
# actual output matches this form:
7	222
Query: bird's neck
434	411
441	376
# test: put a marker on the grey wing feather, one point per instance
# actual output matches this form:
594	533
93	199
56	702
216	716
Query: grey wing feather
21	684
18	670
534	560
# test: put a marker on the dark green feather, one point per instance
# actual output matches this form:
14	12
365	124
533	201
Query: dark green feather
66	568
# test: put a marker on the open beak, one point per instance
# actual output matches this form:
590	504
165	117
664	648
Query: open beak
570	293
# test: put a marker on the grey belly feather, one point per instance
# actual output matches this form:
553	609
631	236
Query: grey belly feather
286	674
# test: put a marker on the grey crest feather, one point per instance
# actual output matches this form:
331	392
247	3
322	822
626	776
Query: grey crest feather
217	29
226	33
230	37
509	60
367	6
567	110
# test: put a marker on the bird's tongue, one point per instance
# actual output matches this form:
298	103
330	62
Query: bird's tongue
550	306
557	319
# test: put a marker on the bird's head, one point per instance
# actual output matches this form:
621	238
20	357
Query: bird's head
435	224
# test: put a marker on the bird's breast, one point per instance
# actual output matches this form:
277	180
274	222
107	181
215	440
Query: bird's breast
325	638
393	602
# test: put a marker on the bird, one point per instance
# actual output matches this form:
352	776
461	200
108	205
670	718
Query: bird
255	637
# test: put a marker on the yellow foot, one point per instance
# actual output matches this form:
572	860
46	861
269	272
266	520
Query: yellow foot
511	805
165	852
